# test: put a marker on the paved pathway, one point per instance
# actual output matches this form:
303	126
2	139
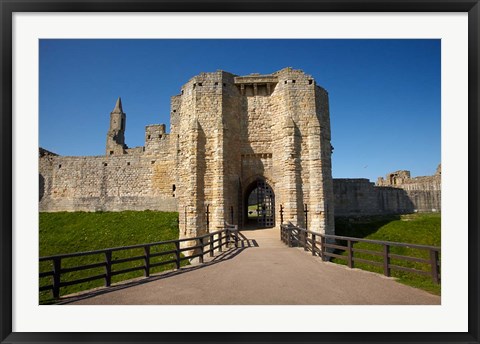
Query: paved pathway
262	272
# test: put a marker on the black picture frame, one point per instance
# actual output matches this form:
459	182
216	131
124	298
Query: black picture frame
8	7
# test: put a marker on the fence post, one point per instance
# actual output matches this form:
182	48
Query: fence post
350	254
207	213
211	245
220	241
281	214
386	260
201	250
57	265
289	237
177	254
147	260
108	268
314	245
322	248
236	236
306	216
434	264
305	237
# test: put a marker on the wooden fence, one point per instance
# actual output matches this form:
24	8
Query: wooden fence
202	245
328	246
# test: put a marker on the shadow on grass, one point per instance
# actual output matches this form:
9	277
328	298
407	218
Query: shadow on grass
365	227
362	226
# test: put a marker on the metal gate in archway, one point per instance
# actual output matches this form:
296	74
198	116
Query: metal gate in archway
265	205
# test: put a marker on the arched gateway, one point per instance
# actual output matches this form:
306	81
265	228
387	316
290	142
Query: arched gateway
259	205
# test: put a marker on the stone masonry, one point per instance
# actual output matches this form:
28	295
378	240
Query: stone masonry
398	193
424	192
229	135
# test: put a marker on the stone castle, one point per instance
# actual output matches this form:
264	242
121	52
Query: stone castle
230	136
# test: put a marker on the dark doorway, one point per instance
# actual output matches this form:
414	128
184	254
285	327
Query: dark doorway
260	205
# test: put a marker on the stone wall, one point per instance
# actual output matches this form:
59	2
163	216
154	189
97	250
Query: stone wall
424	192
105	183
398	193
356	197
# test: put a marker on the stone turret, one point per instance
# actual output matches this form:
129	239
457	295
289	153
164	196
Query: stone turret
116	132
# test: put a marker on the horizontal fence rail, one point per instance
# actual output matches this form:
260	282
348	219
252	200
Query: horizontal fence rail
328	246
197	247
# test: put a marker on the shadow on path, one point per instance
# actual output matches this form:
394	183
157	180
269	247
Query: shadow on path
223	256
269	273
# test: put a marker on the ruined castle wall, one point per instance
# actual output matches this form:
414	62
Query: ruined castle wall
424	191
157	141
356	197
106	183
134	151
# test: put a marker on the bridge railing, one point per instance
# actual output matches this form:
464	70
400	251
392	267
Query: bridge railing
197	247
328	246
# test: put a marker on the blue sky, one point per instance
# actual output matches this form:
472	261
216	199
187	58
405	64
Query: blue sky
384	94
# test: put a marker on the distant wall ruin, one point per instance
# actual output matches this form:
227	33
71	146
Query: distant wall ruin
398	193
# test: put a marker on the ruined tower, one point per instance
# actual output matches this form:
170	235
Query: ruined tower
116	132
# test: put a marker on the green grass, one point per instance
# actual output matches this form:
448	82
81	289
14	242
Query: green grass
253	208
422	229
70	232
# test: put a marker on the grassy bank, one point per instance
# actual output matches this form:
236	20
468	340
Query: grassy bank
422	229
66	232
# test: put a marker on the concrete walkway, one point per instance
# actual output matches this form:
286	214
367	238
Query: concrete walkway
262	272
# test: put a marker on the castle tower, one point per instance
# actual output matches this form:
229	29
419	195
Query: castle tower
116	132
260	143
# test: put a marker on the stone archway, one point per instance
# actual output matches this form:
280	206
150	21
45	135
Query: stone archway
259	204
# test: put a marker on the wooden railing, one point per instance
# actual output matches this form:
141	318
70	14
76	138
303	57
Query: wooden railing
204	244
325	246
